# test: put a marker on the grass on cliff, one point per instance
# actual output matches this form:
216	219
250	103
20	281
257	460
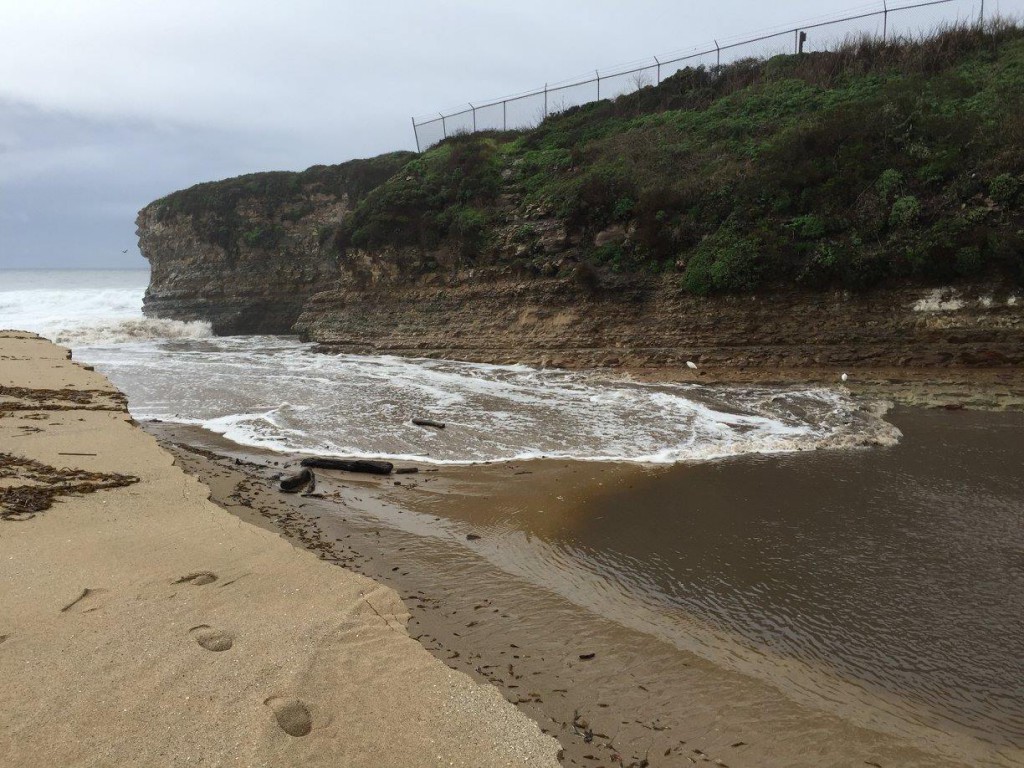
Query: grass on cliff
898	161
876	161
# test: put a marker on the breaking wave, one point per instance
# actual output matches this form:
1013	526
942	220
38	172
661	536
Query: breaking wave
83	309
276	393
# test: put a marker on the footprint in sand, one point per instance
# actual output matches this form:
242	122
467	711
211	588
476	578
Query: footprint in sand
292	715
83	603
198	579
211	639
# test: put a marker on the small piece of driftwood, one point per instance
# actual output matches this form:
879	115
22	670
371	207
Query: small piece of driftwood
428	423
298	481
349	465
406	470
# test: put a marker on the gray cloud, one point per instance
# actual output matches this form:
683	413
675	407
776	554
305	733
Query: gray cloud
112	103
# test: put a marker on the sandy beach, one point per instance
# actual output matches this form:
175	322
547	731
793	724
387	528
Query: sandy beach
144	625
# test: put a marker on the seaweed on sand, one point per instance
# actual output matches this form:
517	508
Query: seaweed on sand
46	484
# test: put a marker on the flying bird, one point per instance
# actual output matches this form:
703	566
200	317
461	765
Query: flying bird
125	251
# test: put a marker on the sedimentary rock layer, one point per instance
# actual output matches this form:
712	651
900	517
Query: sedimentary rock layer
651	322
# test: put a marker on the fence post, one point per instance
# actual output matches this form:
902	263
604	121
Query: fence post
504	115
474	115
885	20
659	69
417	135
444	126
796	41
718	54
545	101
983	14
598	74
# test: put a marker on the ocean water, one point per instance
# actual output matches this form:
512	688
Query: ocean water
276	393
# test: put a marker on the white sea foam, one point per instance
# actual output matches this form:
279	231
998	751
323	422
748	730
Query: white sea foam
276	393
85	308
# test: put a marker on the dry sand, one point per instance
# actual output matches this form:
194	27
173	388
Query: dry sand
143	625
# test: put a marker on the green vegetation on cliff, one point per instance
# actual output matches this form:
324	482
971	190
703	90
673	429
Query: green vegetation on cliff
875	162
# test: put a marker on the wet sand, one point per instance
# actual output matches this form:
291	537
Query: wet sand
142	625
724	623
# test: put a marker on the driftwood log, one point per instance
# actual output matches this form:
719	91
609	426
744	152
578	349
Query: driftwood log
349	465
428	423
298	481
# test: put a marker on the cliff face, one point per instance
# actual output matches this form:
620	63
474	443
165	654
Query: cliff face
651	322
252	290
245	254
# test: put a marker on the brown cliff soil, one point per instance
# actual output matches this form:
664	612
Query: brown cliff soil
969	340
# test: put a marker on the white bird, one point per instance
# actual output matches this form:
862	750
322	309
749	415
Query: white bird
844	377
691	364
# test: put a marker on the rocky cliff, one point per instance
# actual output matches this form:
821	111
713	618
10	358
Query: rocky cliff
653	323
863	207
244	254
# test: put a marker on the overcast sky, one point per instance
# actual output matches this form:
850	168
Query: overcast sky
107	105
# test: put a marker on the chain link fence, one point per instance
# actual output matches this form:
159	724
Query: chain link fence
526	110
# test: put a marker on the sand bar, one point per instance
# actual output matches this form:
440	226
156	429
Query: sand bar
143	625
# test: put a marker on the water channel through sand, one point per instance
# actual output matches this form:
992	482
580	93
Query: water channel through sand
860	606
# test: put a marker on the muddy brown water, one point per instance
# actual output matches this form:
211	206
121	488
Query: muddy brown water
830	608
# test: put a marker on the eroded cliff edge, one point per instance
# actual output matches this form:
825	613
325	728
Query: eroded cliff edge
245	254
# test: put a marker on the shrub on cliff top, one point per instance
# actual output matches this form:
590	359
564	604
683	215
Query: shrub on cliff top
445	192
725	262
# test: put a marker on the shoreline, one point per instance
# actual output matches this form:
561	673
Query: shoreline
145	625
361	523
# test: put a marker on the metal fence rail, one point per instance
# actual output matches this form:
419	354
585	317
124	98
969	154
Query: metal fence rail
526	110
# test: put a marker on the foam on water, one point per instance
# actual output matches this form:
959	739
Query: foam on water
276	393
79	308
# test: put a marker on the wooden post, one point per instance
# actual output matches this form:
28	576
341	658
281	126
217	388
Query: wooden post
416	134
474	115
659	69
598	84
504	115
444	126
